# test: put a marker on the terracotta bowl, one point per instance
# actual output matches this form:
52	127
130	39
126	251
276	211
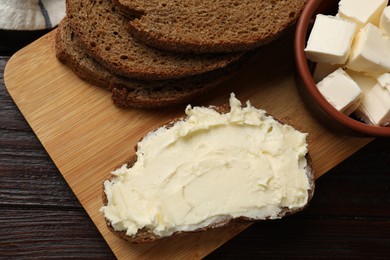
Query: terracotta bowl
317	104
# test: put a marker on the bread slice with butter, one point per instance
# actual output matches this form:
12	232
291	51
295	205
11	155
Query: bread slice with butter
209	169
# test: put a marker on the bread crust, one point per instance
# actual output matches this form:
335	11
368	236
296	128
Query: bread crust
147	236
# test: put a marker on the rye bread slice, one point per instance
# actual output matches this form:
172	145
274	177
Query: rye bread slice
71	52
128	92
147	236
125	94
103	32
210	26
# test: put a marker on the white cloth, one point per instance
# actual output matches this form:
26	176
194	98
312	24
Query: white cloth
29	15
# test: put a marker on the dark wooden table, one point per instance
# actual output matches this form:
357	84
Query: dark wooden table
349	216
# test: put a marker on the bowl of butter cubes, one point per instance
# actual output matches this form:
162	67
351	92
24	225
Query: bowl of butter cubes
342	56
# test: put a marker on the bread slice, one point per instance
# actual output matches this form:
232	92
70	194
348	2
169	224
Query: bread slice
210	26
71	52
128	92
103	32
146	234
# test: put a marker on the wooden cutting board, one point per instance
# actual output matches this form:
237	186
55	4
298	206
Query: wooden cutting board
87	136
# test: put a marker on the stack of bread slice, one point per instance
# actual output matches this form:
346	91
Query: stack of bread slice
159	53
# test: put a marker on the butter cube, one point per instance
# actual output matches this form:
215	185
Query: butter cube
384	23
362	12
370	51
340	90
365	81
322	70
330	40
384	81
375	106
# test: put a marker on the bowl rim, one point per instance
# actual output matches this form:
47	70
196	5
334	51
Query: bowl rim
303	71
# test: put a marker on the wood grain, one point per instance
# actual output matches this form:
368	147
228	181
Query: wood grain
86	136
39	232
